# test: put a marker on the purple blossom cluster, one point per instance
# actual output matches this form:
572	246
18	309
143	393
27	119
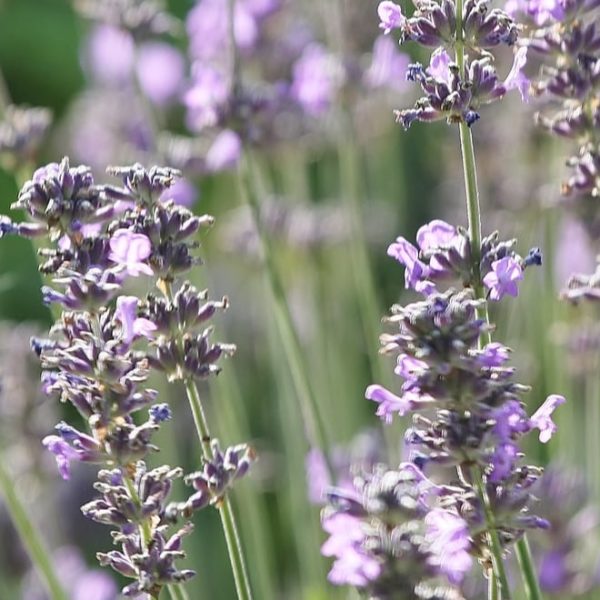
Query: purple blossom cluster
391	538
103	347
445	254
455	89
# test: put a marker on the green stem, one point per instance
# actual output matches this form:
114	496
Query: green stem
232	537
289	337
495	546
492	587
474	217
228	521
532	587
30	537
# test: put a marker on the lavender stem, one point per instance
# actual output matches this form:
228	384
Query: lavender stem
30	537
289	337
474	218
232	537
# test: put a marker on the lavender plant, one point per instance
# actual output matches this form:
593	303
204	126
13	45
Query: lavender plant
100	353
467	411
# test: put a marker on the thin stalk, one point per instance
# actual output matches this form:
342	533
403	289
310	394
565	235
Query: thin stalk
177	592
30	537
495	547
532	587
474	217
289	337
228	521
232	537
492	587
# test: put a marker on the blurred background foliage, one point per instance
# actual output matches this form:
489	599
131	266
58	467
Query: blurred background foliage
404	179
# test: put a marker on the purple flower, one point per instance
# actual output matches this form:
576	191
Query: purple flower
388	66
516	79
209	91
132	326
435	235
159	413
390	15
207	27
493	354
503	277
63	453
224	152
316	78
183	192
542	417
111	54
540	11
317	475
353	566
408	366
160	71
439	69
405	253
448	538
129	250
503	461
510	420
553	571
389	403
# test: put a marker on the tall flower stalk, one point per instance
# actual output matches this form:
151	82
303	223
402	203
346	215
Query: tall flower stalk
467	413
100	353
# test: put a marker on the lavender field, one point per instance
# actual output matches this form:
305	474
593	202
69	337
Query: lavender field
298	299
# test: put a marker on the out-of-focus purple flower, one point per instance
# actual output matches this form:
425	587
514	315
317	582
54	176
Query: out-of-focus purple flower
542	417
405	253
435	234
439	66
63	453
516	79
503	277
448	538
353	566
209	91
388	66
574	253
207	27
553	571
160	71
183	192
131	325
262	8
111	54
493	354
130	250
83	583
316	78
224	152
390	15
540	11
317	475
